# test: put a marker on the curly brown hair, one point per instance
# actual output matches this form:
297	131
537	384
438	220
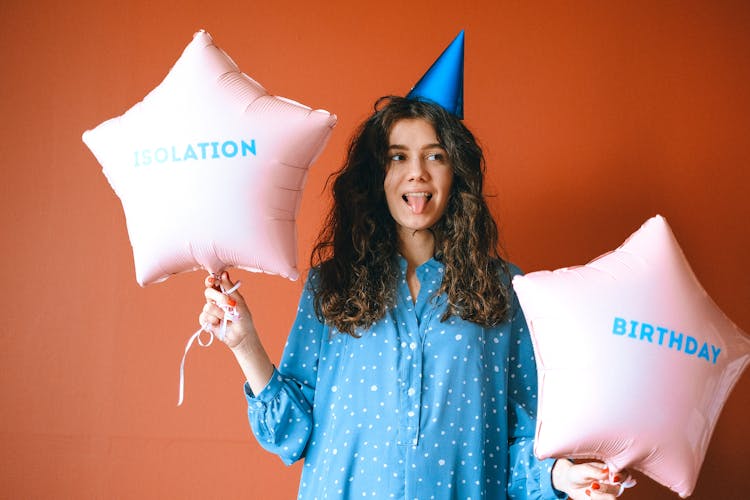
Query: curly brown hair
357	248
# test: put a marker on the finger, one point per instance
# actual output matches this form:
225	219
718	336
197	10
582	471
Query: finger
208	321
603	490
227	284
211	281
586	473
212	309
216	297
622	476
595	495
213	312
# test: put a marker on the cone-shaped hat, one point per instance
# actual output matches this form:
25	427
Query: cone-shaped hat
444	81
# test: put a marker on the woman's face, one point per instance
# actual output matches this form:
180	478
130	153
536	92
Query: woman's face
418	175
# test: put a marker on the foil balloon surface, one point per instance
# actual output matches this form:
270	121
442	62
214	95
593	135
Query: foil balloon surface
635	360
210	169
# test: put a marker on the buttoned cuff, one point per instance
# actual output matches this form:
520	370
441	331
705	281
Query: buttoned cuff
266	395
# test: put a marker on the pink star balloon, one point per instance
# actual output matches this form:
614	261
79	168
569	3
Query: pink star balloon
635	361
210	169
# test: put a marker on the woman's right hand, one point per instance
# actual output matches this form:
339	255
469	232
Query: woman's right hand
240	335
589	480
241	327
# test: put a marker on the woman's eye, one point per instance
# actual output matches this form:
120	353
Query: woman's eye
398	157
436	156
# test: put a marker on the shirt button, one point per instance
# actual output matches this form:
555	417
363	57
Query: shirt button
413	345
411	391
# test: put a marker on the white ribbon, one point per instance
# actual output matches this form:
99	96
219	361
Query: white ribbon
230	314
628	483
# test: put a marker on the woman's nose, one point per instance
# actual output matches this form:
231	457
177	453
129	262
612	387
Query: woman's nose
417	170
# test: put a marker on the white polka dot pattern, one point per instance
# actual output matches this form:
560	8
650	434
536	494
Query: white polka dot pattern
415	408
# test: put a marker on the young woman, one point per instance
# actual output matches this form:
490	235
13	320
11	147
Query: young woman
408	372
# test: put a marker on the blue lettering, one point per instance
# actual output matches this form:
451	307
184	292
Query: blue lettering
715	350
662	331
248	148
230	152
190	153
675	340
195	151
633	328
691	345
161	155
704	352
203	146
619	326
647	331
679	341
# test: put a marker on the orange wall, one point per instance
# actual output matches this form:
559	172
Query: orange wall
595	116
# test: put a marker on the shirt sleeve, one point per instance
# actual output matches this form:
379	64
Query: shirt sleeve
529	477
281	414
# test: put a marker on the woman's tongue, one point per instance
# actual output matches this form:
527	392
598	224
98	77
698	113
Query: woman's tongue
416	202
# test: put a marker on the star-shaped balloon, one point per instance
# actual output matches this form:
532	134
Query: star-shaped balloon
210	169
635	361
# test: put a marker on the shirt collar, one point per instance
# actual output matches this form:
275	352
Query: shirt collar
432	265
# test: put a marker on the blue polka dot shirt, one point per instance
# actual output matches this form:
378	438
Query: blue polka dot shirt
415	408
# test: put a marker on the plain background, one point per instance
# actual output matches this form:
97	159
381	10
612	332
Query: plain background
594	117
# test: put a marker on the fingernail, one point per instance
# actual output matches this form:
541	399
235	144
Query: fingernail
616	479
605	470
588	492
595	486
231	302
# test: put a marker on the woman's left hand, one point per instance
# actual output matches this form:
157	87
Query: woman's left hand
590	480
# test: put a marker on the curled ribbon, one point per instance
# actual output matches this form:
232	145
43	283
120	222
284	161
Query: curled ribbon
230	314
629	481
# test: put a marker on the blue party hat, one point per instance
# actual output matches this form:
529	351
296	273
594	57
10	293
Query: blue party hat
443	83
